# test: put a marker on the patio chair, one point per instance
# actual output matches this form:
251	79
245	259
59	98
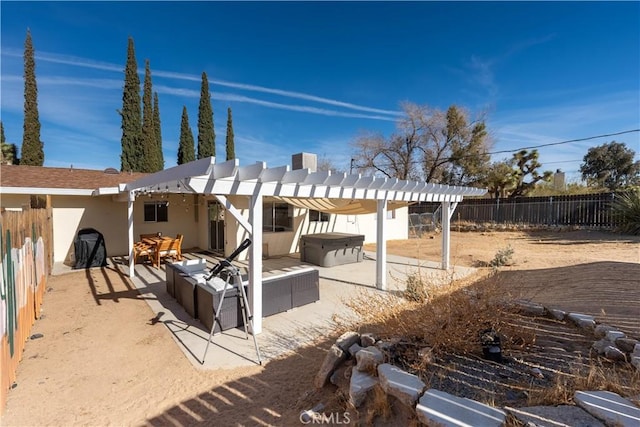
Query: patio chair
141	250
167	248
178	249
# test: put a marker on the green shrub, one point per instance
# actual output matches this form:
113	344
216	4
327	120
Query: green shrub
626	211
502	257
416	288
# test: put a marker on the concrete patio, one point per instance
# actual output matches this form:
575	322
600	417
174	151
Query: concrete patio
282	332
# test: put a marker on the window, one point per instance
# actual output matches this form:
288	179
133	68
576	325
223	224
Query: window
156	211
277	216
318	216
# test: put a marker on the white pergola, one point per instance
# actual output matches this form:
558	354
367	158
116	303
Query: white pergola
207	177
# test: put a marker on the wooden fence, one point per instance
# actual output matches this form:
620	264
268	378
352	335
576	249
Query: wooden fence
26	258
585	210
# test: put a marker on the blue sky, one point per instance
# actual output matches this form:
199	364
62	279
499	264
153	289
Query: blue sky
303	76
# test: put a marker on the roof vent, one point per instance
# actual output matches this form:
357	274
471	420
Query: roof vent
112	171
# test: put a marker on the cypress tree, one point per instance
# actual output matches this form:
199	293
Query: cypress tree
206	134
186	149
148	142
130	113
231	149
32	147
158	129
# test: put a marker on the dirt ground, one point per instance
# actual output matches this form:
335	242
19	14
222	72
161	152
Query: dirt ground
108	362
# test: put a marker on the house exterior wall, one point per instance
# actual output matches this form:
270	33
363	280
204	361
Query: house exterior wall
72	213
288	242
188	216
14	202
109	217
183	218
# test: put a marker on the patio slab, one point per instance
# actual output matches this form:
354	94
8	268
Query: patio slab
283	332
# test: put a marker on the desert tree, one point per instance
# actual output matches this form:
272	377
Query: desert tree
32	152
186	148
206	133
131	115
230	145
610	166
428	144
157	127
469	144
500	179
526	173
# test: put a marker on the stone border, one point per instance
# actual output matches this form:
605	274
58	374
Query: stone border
612	343
434	407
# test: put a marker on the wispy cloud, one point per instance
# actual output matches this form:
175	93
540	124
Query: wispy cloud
88	63
231	97
480	70
482	73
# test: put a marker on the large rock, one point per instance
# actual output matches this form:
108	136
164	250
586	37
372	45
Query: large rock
404	386
530	308
600	346
342	375
367	339
554	416
361	384
347	339
609	407
368	359
557	314
601	330
614	353
437	408
583	321
355	348
626	344
335	356
614	335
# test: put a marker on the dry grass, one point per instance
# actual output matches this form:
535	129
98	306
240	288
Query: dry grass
447	318
621	379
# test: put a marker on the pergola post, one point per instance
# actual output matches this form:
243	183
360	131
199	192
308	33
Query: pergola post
132	260
447	213
446	234
255	260
381	246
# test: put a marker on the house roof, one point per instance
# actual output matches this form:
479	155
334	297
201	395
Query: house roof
22	179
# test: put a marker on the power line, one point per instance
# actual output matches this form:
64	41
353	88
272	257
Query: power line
353	165
565	142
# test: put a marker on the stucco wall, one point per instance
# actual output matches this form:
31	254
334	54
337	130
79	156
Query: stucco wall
183	218
288	242
188	216
72	213
13	202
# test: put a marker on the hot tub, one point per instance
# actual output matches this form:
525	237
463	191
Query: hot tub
330	249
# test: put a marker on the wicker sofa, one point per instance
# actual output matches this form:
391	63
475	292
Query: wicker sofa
186	282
